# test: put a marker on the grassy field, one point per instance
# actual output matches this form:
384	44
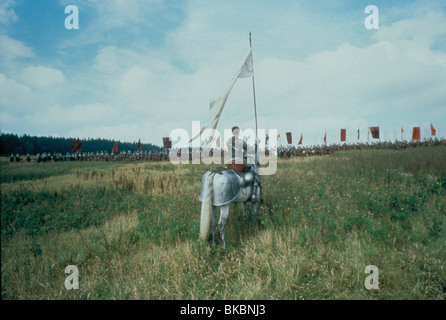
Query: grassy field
131	229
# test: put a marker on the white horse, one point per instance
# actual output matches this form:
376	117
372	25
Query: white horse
220	187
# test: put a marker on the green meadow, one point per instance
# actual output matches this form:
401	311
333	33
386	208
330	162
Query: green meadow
131	229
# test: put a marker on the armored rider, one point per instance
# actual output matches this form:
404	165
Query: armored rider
238	160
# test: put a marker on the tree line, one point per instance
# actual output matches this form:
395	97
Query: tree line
12	143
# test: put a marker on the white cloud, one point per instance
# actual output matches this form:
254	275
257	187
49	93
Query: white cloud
7	14
14	97
119	13
41	77
422	31
11	49
62	118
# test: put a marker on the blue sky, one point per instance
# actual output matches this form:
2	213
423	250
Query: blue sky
139	69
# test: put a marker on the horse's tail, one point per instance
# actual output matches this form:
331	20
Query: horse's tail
206	207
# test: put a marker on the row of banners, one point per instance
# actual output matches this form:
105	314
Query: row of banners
374	131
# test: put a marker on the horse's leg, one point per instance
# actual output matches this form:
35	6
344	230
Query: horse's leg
244	208
255	204
254	208
214	209
224	213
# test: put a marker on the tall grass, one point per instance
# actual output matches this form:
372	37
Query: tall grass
132	231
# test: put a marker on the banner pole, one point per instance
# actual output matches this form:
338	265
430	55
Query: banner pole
255	106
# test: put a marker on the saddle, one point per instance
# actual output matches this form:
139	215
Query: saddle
237	167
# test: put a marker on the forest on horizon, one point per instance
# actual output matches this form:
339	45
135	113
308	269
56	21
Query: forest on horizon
13	143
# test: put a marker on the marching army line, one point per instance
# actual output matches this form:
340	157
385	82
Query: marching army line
94	156
283	152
